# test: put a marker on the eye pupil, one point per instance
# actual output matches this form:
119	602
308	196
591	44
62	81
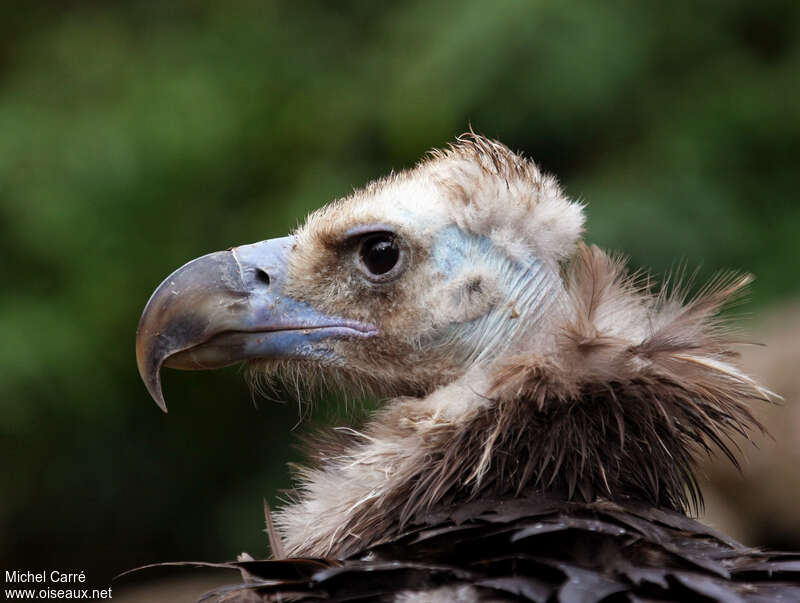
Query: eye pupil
380	254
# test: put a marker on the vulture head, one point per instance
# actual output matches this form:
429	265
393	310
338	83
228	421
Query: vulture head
403	286
515	357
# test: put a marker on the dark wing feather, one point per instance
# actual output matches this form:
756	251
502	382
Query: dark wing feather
538	549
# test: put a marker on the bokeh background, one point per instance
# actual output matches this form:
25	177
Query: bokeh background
137	135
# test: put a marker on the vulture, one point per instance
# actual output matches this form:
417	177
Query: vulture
542	406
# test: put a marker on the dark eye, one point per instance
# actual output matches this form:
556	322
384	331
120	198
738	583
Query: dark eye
380	255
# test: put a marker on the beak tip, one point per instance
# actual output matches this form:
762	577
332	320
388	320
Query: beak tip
154	389
161	404
149	362
152	381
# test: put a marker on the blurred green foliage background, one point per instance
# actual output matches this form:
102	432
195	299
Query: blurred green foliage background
137	135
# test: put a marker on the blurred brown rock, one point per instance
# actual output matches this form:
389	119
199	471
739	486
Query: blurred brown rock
761	506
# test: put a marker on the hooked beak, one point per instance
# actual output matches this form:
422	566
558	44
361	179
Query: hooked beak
227	307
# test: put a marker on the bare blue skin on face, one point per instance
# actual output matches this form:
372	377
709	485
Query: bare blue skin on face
525	296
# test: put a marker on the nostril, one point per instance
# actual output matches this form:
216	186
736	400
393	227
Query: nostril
262	276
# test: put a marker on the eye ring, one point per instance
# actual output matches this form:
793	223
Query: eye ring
382	256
